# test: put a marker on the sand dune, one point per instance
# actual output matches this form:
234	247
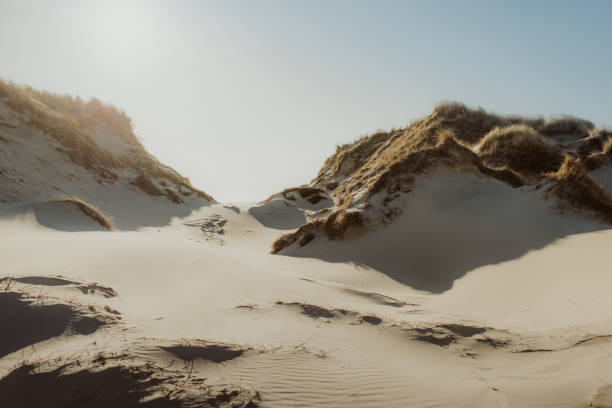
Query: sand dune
98	160
315	333
371	180
460	287
450	225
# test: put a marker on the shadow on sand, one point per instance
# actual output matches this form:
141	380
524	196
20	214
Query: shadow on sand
24	323
278	215
126	214
447	230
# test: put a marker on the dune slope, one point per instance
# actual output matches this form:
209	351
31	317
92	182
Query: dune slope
432	266
460	188
53	147
200	312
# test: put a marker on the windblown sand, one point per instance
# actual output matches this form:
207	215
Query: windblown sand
510	311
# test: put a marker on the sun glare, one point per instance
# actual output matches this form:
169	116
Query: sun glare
124	24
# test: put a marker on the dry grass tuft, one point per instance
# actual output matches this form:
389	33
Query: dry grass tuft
567	125
594	142
607	147
375	161
312	195
90	211
343	223
349	157
448	153
470	125
173	196
145	183
338	225
596	150
575	188
521	148
302	235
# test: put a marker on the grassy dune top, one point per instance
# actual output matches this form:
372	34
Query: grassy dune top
557	153
67	119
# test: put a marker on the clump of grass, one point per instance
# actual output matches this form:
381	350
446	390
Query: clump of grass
350	157
520	148
594	142
575	188
448	153
173	196
89	210
607	147
382	156
470	125
145	183
567	125
340	224
302	235
312	195
596	150
202	194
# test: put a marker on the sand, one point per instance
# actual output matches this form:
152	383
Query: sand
476	295
511	310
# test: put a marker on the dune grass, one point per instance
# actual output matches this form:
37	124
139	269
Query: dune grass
596	150
521	148
338	225
567	125
312	195
66	119
516	150
89	210
576	189
145	183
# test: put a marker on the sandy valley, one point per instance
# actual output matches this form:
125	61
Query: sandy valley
455	286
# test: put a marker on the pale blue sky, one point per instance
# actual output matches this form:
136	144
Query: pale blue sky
249	97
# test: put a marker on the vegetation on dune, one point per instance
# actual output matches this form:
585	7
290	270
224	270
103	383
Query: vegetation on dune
596	150
448	153
513	149
567	125
338	225
66	119
89	210
312	195
520	148
145	183
63	124
575	188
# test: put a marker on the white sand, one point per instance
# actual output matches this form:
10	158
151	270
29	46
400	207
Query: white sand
478	295
544	288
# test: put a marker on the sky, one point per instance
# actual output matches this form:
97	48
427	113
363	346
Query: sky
247	98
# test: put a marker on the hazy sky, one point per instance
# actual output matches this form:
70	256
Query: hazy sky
249	97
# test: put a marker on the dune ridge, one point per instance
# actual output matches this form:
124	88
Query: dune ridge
461	261
54	146
366	178
68	119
